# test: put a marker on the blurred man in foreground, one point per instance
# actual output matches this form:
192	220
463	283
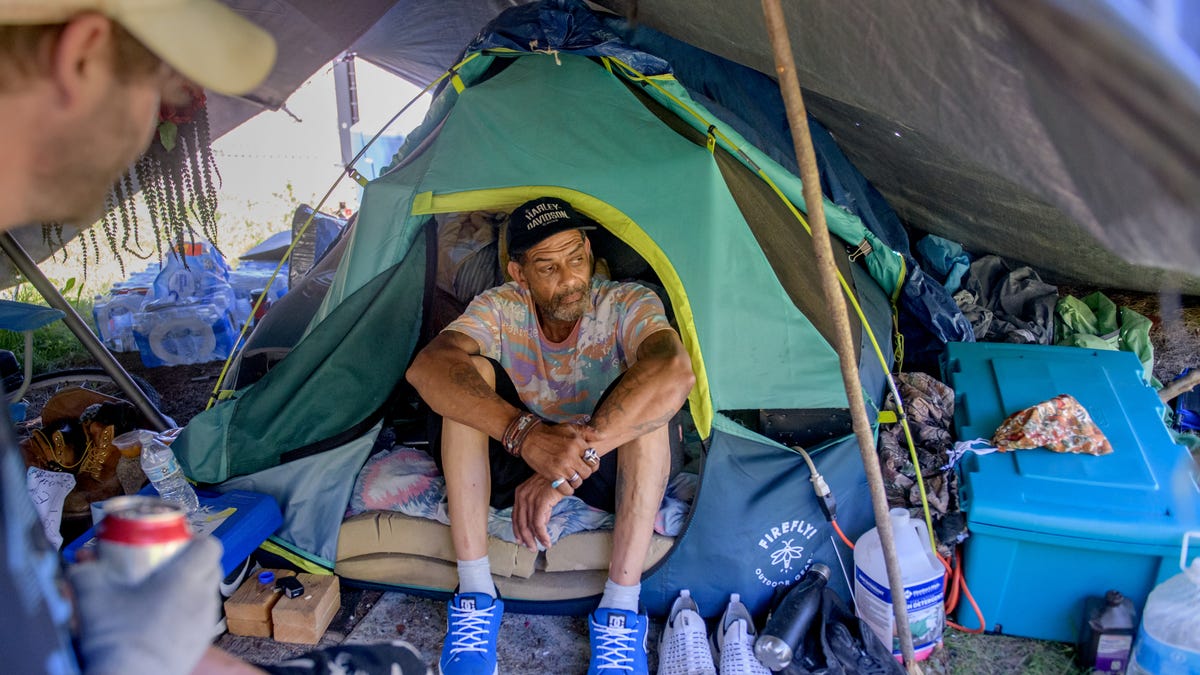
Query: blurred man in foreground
81	82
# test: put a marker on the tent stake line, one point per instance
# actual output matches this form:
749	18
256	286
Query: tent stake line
91	343
789	87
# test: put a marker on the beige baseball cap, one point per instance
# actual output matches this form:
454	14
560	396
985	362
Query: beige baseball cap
203	40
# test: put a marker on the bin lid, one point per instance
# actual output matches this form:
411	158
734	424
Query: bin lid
1145	491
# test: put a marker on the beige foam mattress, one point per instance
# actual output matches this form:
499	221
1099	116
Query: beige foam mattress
392	548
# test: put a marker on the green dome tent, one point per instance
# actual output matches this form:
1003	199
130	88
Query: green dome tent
716	223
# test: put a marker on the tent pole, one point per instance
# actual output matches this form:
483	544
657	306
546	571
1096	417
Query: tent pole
789	86
90	342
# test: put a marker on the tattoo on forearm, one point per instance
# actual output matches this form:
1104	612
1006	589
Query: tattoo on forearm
611	407
657	346
467	379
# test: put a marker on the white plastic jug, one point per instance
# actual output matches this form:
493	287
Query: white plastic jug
1168	641
921	574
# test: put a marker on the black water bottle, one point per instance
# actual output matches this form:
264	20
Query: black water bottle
789	622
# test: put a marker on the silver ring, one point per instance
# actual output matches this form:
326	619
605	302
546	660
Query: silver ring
574	478
590	456
557	482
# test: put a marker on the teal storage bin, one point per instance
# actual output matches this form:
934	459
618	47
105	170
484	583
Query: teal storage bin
1048	529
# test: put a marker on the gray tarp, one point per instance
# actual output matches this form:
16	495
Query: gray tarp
1058	134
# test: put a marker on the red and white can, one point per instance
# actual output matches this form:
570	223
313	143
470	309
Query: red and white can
139	533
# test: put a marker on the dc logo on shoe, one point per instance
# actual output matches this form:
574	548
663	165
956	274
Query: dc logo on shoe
785	557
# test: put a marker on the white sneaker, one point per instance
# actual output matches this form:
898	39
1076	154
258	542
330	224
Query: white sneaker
684	646
733	641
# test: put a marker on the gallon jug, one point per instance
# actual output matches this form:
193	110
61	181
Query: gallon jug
921	574
1168	642
1106	636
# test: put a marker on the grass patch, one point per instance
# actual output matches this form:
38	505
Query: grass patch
54	346
972	653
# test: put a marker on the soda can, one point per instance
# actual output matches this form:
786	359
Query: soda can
140	533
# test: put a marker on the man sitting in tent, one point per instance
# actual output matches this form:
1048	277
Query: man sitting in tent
574	379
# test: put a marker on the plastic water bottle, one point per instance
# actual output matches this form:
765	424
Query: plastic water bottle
923	579
789	622
161	467
1168	642
1106	636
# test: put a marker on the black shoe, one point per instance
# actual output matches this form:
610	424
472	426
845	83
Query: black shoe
385	658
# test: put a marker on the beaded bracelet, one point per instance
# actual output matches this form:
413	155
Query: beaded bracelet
523	434
510	432
517	431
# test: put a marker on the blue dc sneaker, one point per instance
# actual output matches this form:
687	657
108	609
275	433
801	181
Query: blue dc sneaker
472	624
618	641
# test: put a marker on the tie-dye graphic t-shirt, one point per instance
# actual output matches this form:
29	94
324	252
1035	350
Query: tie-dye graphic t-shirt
563	381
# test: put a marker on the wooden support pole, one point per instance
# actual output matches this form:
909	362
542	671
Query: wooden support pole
789	86
1179	386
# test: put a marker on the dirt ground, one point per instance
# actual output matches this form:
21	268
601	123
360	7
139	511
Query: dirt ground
185	390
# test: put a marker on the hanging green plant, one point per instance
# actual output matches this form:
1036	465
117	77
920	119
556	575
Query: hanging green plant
178	180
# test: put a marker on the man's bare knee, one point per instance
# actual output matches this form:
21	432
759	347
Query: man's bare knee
458	437
643	465
656	441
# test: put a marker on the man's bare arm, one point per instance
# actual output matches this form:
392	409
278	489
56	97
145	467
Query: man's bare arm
648	395
445	378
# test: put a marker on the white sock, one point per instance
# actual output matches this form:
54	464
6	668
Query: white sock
475	576
617	596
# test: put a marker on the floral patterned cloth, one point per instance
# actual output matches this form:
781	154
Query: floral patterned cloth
407	481
1060	424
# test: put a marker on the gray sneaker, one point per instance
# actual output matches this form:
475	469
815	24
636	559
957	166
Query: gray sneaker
733	641
684	646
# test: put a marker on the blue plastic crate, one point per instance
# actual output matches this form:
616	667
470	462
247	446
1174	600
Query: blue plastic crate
1187	408
255	517
1050	529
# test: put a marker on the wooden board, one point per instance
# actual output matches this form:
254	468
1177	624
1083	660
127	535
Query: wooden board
304	619
248	610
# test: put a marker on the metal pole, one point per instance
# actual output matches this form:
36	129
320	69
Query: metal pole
81	330
789	86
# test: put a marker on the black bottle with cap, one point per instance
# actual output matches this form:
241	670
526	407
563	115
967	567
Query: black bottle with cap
789	622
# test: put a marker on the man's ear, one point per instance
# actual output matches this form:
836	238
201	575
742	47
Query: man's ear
587	251
82	59
516	273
